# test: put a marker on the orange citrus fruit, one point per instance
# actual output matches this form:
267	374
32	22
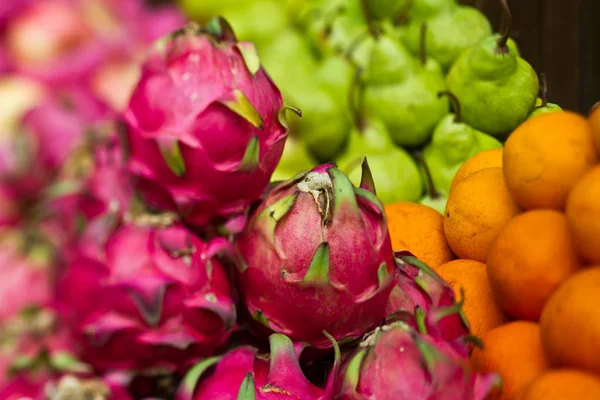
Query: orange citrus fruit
570	322
420	230
485	159
594	119
531	256
479	307
583	214
563	384
477	209
545	156
515	352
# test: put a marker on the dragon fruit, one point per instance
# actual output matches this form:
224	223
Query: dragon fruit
164	297
206	127
65	41
395	362
317	249
424	300
18	272
242	373
49	40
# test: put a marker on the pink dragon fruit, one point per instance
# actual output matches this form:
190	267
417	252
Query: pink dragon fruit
157	291
35	350
206	126
395	362
18	272
317	249
244	374
50	41
92	194
424	300
65	41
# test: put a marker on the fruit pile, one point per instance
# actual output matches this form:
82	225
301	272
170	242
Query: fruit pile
173	224
400	81
146	254
524	223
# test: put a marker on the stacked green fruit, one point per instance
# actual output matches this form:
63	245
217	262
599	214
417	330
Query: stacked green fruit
416	86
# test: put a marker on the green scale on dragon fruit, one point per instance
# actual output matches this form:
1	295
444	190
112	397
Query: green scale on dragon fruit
396	362
317	249
244	374
206	125
164	297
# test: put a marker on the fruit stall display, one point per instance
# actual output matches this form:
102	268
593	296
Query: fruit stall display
287	199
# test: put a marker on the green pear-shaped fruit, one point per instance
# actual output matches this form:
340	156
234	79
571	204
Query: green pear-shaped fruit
335	74
544	108
290	63
389	62
331	28
449	34
386	9
205	10
248	20
496	88
453	142
294	159
433	198
421	10
541	104
396	175
325	121
409	108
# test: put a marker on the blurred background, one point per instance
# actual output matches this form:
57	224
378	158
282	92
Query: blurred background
557	37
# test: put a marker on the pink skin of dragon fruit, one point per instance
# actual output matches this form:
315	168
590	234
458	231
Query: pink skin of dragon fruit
158	292
33	157
396	362
243	374
424	300
49	40
317	249
206	127
18	272
60	125
94	202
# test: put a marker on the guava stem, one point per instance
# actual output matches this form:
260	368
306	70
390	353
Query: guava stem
543	90
432	191
369	19
356	99
423	44
455	104
507	18
330	18
354	45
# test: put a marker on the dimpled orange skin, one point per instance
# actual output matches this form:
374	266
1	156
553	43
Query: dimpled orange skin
531	256
545	156
480	308
563	384
583	215
420	230
594	119
486	159
477	209
515	352
570	322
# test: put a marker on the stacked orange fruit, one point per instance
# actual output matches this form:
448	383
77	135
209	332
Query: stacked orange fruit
523	223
